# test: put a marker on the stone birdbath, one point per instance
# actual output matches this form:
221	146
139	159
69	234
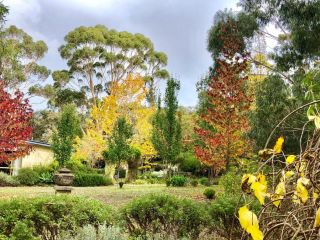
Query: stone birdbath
63	180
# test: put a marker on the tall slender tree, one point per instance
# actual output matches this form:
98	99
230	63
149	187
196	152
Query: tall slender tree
166	134
68	128
227	104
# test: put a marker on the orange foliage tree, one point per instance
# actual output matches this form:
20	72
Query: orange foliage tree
222	128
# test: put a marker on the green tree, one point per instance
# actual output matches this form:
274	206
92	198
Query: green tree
98	56
19	57
119	148
273	102
166	134
68	128
299	23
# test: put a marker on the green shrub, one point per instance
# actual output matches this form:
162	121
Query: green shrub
45	173
46	217
21	231
231	183
7	181
26	176
189	163
165	215
210	193
178	181
194	182
223	212
91	179
204	181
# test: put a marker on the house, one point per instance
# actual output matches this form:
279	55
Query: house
40	154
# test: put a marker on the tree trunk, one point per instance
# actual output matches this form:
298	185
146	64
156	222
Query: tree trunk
132	169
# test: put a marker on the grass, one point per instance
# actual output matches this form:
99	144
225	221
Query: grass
112	195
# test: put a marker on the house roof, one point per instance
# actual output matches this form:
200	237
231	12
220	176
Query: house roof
36	143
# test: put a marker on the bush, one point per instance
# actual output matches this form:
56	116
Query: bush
210	193
231	183
223	214
165	215
189	163
7	181
46	217
26	176
178	181
91	179
194	182
204	181
45	173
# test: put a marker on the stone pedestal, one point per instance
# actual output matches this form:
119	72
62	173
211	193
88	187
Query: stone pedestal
63	180
63	189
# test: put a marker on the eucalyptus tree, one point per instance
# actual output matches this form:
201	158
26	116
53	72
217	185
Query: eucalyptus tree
19	57
98	56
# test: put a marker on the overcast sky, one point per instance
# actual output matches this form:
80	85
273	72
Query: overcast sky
177	27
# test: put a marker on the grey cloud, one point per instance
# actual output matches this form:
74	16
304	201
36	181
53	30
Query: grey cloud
176	27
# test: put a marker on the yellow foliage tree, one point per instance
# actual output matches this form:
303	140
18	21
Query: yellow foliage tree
128	99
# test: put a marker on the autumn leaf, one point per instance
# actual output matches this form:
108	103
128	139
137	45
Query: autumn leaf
249	222
290	159
289	174
317	219
260	191
278	146
279	193
246	182
301	192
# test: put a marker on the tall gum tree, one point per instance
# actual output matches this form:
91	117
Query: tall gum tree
99	57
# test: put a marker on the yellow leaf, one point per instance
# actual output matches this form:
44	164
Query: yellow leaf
278	146
317	122
301	192
290	159
289	174
246	182
249	222
262	179
317	219
260	191
279	193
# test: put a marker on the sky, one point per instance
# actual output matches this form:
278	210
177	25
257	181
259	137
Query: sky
177	27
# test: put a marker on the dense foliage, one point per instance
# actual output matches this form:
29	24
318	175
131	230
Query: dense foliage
15	120
68	128
228	104
47	217
165	215
166	132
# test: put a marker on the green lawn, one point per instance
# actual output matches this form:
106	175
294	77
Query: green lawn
112	195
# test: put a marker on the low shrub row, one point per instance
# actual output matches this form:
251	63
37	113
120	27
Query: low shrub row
165	215
42	175
7	180
73	217
155	216
47	217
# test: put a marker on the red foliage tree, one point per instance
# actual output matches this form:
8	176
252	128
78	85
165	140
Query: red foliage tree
227	105
15	129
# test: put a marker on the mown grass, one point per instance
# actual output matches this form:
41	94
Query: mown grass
112	195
